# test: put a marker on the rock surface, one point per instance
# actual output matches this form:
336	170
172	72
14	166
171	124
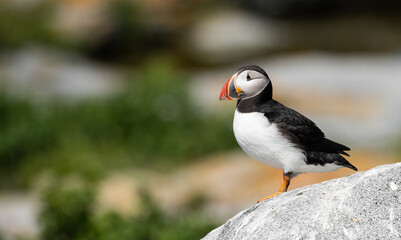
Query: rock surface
365	205
41	73
225	36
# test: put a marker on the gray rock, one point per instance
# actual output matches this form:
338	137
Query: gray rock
227	36
43	74
19	215
365	205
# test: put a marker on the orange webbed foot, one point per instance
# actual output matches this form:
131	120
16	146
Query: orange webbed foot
283	187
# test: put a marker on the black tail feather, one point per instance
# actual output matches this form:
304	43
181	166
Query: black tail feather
344	162
322	158
333	147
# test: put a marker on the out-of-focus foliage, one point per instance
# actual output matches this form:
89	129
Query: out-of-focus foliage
69	214
127	38
21	25
151	122
28	24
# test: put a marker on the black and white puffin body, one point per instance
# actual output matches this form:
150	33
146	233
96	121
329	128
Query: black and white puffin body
275	135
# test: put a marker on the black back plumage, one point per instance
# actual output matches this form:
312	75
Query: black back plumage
298	129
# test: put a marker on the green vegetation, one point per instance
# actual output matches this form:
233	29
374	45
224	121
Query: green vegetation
69	214
20	25
128	40
151	123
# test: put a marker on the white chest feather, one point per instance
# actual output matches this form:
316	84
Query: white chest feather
262	140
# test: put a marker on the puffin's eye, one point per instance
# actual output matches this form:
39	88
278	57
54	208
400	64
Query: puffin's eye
248	77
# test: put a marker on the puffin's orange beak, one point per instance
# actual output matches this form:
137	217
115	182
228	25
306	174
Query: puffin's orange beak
229	90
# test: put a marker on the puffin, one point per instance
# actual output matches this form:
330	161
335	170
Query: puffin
276	135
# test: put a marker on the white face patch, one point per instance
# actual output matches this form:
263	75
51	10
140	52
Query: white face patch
251	83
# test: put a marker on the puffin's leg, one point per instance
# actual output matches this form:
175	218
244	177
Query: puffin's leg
284	186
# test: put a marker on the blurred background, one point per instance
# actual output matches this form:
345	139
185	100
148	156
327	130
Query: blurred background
110	124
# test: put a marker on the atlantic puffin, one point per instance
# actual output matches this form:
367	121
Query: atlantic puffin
276	135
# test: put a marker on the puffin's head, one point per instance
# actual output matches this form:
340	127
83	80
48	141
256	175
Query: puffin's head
247	82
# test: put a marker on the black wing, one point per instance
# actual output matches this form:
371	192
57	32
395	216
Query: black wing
304	132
